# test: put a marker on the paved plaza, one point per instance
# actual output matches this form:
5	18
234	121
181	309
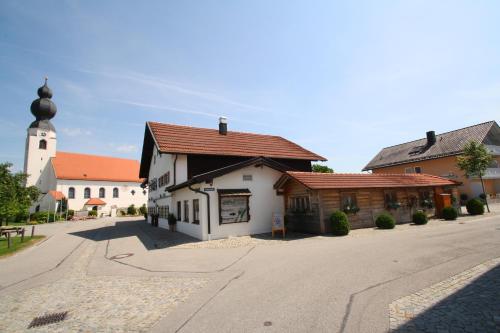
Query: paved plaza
123	275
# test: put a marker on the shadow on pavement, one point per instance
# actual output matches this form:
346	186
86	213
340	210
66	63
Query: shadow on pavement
474	308
151	237
154	238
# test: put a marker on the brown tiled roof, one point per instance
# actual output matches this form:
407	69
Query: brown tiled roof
92	167
95	202
447	144
57	195
316	180
204	141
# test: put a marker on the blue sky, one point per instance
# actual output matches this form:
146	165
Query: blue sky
342	79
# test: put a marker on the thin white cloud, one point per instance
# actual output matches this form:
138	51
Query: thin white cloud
166	108
76	131
163	84
127	148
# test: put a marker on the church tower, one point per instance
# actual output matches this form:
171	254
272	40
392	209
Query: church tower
41	141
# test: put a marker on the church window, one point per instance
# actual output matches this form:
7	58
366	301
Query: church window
86	193
42	144
71	193
115	192
102	192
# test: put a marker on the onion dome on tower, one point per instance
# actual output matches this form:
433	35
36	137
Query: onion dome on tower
43	109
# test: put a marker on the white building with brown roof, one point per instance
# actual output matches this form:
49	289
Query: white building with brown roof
87	181
217	183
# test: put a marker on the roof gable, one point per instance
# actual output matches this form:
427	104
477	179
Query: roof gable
91	167
447	144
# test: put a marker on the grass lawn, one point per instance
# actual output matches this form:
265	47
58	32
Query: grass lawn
16	245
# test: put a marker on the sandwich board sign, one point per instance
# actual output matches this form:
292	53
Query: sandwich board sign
278	224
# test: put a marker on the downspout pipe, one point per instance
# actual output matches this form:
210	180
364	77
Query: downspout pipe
175	168
208	204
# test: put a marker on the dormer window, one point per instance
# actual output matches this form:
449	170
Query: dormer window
42	144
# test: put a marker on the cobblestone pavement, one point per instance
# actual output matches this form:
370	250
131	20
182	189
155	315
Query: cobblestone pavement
100	303
466	302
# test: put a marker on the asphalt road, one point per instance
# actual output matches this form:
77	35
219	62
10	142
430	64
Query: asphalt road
318	284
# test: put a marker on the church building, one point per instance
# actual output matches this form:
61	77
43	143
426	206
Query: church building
88	182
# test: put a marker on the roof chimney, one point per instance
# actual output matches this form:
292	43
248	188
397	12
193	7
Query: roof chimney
223	126
431	138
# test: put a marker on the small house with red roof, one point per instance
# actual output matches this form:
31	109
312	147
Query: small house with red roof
85	182
310	198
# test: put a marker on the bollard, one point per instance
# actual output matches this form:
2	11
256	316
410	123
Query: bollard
32	231
8	240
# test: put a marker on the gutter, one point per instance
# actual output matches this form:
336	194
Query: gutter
208	205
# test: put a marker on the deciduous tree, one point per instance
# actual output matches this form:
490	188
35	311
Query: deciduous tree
474	161
15	198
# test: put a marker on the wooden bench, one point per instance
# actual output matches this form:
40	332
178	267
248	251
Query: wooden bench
8	231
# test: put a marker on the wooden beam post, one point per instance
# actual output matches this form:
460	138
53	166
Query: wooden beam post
321	212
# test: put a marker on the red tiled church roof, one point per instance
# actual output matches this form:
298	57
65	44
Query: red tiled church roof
95	202
92	167
204	141
316	180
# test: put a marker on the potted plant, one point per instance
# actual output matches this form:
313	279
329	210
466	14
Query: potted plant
172	222
393	205
351	209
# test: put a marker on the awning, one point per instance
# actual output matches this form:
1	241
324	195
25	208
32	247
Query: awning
95	202
234	192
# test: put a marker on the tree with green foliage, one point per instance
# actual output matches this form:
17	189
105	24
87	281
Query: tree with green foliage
15	198
474	161
321	168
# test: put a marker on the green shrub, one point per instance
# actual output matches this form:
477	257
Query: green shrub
450	213
22	216
340	223
385	221
93	213
131	210
71	213
143	210
40	217
475	207
172	219
419	218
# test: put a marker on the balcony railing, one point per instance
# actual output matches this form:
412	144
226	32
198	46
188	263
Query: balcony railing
492	173
494	150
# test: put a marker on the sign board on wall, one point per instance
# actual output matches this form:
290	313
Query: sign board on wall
233	209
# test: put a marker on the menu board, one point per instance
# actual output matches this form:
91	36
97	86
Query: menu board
233	209
278	221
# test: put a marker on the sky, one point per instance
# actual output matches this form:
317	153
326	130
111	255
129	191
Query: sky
342	79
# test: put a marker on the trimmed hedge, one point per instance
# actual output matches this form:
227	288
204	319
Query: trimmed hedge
420	218
475	207
385	221
450	213
93	213
340	223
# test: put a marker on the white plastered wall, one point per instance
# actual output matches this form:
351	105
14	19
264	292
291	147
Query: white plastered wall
263	203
